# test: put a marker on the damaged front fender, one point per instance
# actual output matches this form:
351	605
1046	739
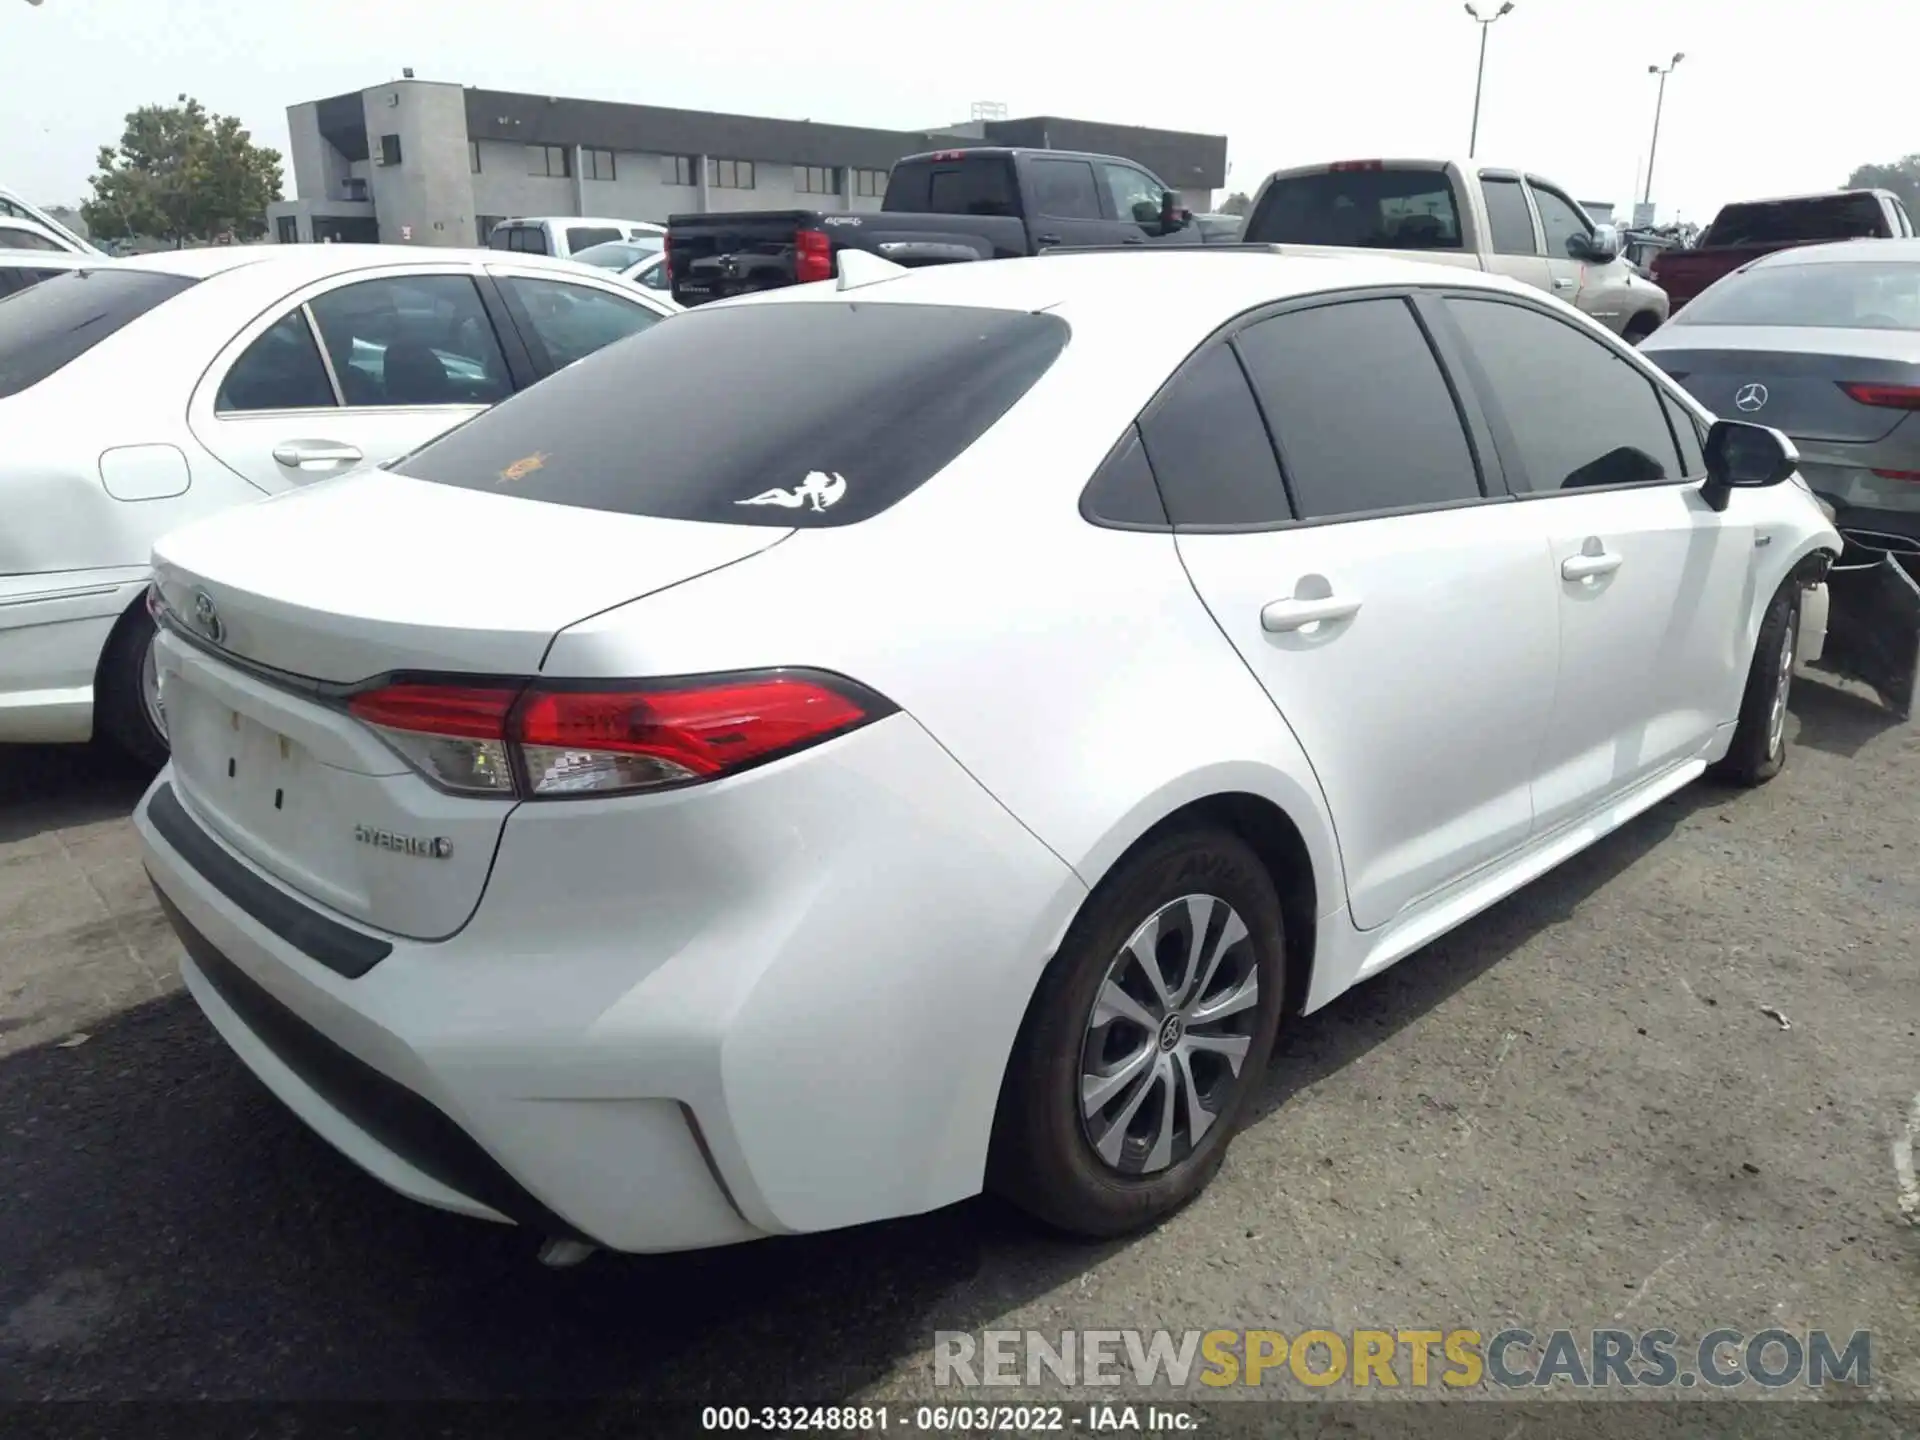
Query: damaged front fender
1873	617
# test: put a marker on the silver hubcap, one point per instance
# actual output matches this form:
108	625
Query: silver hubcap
1168	1033
150	691
1777	716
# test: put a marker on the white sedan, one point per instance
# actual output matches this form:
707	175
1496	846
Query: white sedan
138	394
641	263
867	742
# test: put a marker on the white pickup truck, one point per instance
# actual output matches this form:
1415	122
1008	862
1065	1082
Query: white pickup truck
1460	213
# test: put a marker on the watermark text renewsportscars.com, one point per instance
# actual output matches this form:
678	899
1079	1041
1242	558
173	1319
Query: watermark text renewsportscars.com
1451	1359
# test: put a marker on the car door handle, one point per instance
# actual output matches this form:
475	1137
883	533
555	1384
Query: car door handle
1133	240
1585	566
1294	613
1560	282
1046	239
312	454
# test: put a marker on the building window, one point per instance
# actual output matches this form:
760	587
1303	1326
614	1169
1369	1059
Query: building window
730	174
548	160
676	169
598	163
473	156
389	149
289	229
871	183
356	189
816	179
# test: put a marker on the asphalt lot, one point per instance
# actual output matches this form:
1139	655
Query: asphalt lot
1571	1112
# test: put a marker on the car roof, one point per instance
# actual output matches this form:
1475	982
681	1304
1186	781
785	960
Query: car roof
1845	252
319	261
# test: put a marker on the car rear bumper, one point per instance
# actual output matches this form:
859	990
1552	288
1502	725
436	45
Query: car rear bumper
53	628
618	1049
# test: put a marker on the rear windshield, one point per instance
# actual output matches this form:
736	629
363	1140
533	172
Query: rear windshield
812	415
1849	295
579	237
47	325
1780	222
1377	209
980	186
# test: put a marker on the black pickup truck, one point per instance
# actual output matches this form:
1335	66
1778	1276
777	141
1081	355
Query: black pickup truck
988	203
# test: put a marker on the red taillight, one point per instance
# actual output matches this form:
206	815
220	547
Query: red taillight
812	256
1898	474
545	741
1887	397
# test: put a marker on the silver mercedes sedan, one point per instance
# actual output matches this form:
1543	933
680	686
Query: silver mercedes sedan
1822	342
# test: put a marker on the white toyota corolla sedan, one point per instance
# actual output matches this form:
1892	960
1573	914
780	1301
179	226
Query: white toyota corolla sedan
136	395
871	741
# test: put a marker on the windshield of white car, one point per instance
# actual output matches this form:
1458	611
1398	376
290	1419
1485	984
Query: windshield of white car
729	415
45	326
1845	295
1383	209
615	254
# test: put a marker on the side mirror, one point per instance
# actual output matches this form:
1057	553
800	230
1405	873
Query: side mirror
1745	457
1599	248
1172	217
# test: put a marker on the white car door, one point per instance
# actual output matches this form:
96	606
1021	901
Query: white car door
1394	603
360	368
1651	581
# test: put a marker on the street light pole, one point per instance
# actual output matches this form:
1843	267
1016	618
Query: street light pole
1658	104
1480	76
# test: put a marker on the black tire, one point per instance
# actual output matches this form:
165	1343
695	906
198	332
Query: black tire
1042	1158
120	714
1758	752
1639	328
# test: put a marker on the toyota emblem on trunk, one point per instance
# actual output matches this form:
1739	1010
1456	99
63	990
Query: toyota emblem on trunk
206	617
1750	397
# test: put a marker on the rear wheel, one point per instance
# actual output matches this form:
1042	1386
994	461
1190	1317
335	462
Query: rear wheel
1759	746
1148	1033
127	709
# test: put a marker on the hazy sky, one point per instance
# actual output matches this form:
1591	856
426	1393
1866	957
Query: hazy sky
1771	97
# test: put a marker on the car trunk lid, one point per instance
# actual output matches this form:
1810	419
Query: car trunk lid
276	611
1743	373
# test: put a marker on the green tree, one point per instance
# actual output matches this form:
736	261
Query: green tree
1902	177
181	174
1238	203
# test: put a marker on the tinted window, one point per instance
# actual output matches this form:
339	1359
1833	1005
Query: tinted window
1359	409
1209	448
14	239
954	187
1848	294
500	238
45	326
1815	217
418	340
1122	491
1693	455
1580	414
1384	209
1508	218
281	370
579	237
654	277
1559	221
727	414
564	323
613	254
1064	189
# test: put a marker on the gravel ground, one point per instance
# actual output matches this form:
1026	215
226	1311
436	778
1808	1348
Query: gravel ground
1574	1112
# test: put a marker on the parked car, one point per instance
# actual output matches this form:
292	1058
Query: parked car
1219	229
25	226
564	235
1823	343
141	393
1504	222
1752	228
940	208
641	263
21	268
788	805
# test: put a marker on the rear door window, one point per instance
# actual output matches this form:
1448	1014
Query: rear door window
48	325
280	370
412	340
1382	208
1209	448
1508	218
1359	409
563	323
728	415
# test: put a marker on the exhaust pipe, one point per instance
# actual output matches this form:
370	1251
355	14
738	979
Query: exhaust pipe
558	1254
